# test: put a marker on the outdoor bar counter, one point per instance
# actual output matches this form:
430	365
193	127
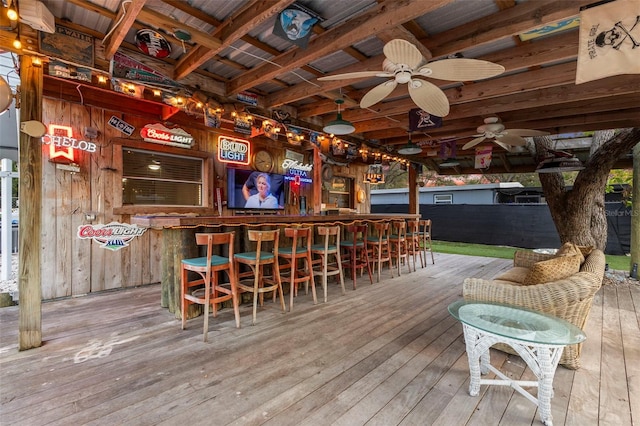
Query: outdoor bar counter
178	238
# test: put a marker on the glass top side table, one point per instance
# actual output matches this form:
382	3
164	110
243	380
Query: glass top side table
537	337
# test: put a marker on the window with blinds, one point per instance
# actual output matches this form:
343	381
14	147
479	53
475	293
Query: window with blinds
153	178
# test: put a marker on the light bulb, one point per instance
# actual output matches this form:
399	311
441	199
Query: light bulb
12	14
17	43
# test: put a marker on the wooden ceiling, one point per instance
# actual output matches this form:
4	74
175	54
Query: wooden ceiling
537	90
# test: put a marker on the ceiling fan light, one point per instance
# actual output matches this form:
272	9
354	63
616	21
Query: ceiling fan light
339	126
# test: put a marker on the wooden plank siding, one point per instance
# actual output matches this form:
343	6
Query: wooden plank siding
384	354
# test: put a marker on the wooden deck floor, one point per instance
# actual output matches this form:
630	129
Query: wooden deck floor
385	354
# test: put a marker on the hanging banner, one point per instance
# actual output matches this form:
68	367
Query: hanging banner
609	41
422	120
483	157
448	149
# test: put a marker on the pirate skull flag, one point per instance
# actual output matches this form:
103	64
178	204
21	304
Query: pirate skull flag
609	40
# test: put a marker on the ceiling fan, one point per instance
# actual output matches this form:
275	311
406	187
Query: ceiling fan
493	129
403	61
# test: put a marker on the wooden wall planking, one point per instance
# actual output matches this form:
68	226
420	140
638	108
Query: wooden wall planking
71	266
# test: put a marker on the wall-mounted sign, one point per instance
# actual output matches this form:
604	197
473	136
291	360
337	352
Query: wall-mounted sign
121	125
297	171
247	98
153	43
122	66
375	174
233	150
242	124
62	143
68	44
157	133
113	236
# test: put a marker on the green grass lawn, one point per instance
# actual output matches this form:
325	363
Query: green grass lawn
621	263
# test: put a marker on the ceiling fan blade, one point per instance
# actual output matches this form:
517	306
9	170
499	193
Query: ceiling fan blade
473	142
429	97
461	69
503	145
525	132
378	93
401	51
511	139
359	74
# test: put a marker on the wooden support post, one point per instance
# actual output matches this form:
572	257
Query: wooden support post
635	213
29	273
414	200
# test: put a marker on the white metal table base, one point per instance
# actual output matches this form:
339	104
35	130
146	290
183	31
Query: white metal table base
542	359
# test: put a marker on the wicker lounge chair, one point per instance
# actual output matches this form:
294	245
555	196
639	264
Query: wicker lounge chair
569	298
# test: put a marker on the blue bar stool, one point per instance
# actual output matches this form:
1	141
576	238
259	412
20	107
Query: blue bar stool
355	247
300	250
329	247
257	261
208	269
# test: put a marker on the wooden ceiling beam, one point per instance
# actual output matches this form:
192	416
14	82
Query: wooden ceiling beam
236	26
506	23
126	17
384	15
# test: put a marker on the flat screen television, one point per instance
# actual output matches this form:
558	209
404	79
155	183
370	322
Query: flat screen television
242	190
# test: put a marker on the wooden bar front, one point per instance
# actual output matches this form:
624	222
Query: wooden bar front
178	238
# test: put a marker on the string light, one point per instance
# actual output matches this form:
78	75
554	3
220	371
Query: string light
12	13
17	43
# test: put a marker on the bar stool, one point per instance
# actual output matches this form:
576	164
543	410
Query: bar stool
356	256
413	243
425	239
208	269
256	261
330	246
300	249
398	243
379	247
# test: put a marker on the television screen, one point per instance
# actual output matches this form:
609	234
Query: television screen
248	189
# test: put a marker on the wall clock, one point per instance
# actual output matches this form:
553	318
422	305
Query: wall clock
263	161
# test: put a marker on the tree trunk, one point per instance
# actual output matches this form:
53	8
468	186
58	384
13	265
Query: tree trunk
579	213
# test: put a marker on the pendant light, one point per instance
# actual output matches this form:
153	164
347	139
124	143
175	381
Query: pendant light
410	148
559	162
339	126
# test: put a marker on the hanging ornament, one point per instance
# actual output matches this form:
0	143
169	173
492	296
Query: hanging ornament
183	36
153	43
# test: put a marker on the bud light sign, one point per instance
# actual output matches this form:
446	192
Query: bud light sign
233	150
112	236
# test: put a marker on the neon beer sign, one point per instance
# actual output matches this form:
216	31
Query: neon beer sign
62	143
233	150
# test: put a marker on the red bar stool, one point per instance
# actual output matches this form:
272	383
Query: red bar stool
398	242
208	269
378	246
355	247
300	249
257	261
329	247
425	239
413	243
